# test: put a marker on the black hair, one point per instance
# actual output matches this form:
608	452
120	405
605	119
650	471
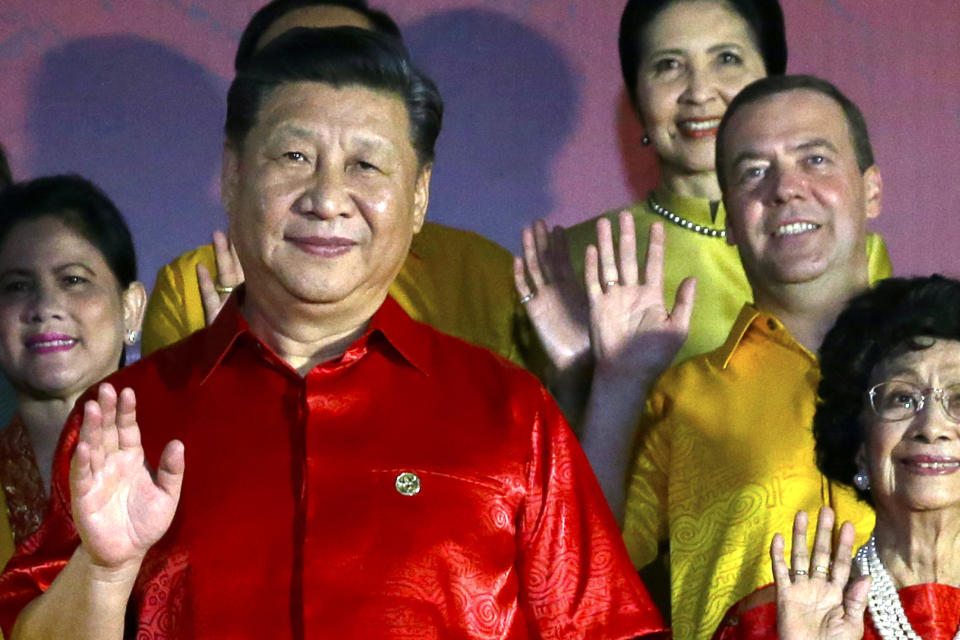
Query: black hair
263	19
763	17
775	85
340	56
874	326
80	205
6	178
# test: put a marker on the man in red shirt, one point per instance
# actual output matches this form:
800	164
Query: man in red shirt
326	467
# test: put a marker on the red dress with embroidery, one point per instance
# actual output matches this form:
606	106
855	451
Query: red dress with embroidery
21	480
933	611
297	518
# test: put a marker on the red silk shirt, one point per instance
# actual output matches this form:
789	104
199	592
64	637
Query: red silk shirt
931	608
415	487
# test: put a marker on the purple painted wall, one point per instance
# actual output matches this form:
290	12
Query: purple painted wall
131	95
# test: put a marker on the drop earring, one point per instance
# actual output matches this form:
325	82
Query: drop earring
645	140
861	480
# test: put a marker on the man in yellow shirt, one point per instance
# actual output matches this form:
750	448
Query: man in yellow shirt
456	281
723	458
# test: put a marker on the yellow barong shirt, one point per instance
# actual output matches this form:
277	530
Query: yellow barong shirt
725	459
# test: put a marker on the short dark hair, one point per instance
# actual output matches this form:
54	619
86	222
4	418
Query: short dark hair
875	324
80	205
263	19
763	17
340	56
775	85
6	178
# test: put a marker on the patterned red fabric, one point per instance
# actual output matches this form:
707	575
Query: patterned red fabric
291	525
22	483
933	611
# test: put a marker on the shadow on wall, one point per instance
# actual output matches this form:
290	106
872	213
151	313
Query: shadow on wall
511	102
639	162
142	122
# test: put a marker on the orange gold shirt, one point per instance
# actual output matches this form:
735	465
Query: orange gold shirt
725	460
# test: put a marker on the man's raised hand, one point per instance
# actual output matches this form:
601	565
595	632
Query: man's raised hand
120	510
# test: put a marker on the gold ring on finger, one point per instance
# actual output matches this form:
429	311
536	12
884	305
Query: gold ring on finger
611	283
799	572
219	288
821	570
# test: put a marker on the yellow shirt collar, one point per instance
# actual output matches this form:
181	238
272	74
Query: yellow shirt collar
751	318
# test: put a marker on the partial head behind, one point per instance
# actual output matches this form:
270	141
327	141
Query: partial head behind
764	19
263	25
6	179
339	57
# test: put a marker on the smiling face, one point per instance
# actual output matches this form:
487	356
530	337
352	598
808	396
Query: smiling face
797	202
324	196
63	318
696	58
914	464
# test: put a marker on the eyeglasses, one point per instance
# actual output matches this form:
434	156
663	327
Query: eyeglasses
897	400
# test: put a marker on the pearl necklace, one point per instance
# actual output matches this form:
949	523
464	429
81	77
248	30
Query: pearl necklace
883	601
663	212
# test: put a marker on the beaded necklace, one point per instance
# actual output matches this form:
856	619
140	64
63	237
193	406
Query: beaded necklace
663	212
883	601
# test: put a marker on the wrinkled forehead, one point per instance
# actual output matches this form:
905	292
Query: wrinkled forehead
784	121
312	109
919	358
323	99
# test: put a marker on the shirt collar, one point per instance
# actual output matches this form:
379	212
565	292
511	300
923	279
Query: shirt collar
753	319
390	325
407	336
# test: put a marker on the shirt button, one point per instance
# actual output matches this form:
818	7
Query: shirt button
407	484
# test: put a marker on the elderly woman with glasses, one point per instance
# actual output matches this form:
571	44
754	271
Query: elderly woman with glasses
889	425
